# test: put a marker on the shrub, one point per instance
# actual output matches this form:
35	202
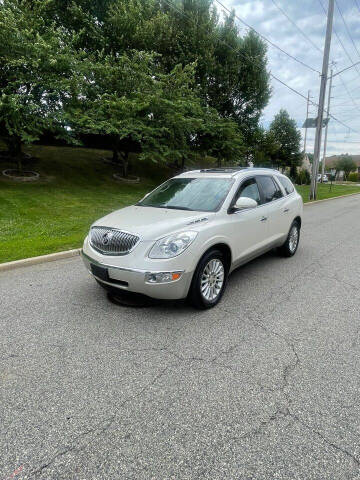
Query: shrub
302	177
354	177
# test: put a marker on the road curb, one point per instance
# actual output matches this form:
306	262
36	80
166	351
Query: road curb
332	198
26	262
73	253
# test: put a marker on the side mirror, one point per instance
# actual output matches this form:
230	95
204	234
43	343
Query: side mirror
243	203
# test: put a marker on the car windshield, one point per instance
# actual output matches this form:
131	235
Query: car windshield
200	194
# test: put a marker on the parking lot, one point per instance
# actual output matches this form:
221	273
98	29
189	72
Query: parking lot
264	386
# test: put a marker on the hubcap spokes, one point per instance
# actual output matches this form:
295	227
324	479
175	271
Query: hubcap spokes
293	239
212	279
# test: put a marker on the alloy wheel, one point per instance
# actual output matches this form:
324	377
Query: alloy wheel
293	238
212	279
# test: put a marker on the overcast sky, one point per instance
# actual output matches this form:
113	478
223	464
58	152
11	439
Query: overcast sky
309	16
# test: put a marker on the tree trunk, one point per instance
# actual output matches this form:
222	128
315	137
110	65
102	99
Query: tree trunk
15	150
125	164
182	163
19	162
115	157
219	162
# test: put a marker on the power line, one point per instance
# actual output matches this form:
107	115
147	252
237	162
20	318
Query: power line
346	105
313	103
347	54
340	41
266	39
168	2
350	96
347	28
347	68
342	141
356	3
296	26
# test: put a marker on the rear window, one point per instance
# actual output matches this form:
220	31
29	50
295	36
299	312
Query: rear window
286	183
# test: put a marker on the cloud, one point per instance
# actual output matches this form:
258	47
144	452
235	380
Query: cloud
309	16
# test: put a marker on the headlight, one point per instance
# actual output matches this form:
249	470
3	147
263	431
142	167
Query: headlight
172	245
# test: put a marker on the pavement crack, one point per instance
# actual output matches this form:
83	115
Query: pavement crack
279	414
326	440
100	428
341	282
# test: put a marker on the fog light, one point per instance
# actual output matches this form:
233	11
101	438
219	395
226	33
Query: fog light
162	277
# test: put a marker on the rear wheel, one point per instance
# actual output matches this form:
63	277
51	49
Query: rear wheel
209	280
288	249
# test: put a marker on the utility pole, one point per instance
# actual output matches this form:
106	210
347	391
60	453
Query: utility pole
307	114
325	66
326	128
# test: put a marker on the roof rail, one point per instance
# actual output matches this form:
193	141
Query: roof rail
222	169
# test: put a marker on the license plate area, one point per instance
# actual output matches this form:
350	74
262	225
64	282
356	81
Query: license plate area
100	272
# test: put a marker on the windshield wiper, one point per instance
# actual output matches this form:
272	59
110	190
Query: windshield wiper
164	206
177	207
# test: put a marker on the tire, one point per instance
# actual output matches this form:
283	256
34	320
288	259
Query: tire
289	248
216	268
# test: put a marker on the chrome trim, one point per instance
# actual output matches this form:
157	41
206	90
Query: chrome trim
105	265
125	269
115	285
242	180
113	254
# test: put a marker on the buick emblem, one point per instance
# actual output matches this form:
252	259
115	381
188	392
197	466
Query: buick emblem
106	238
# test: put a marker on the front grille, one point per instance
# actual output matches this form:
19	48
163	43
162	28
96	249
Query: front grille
111	241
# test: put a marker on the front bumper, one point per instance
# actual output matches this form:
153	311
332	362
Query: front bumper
134	280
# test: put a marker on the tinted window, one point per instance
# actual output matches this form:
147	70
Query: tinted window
288	186
202	194
250	189
269	188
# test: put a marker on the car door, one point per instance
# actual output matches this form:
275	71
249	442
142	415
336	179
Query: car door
273	205
289	210
247	228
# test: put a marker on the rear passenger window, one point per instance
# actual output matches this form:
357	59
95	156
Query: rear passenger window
288	186
270	190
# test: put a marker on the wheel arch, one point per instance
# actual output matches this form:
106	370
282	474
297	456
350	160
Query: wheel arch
224	249
298	220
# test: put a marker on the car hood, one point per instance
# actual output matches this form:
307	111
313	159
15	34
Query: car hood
151	223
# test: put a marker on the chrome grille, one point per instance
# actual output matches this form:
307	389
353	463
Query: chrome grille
111	241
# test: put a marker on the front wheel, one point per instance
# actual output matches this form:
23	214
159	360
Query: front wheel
288	249
209	280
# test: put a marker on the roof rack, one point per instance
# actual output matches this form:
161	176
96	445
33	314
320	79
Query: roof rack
233	170
223	169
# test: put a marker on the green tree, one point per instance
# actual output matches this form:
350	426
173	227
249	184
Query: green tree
267	148
310	157
345	164
108	67
284	130
36	73
221	138
231	71
138	107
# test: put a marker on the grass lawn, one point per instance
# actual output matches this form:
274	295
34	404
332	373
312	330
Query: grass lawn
55	213
323	190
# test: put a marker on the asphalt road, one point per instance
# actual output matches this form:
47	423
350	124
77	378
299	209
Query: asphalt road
264	386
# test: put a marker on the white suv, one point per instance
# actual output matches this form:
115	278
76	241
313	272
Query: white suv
186	236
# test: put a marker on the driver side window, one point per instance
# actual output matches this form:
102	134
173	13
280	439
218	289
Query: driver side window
249	189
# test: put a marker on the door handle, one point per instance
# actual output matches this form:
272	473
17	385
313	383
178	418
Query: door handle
263	219
286	210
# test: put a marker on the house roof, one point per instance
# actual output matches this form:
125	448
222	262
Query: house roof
330	161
